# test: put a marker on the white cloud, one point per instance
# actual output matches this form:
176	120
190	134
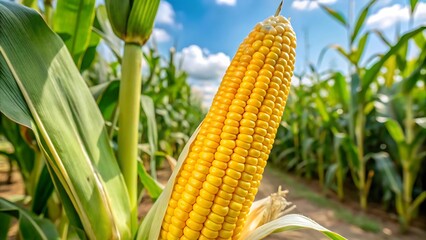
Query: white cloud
200	64
166	13
160	35
227	2
205	70
389	16
309	4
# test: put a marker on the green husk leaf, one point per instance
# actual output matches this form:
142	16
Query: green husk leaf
132	21
290	222
141	20
118	13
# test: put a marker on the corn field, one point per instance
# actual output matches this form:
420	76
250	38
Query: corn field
90	130
365	128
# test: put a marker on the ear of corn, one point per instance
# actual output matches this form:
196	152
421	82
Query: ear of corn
219	179
217	175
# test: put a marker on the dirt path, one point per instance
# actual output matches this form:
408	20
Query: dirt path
327	217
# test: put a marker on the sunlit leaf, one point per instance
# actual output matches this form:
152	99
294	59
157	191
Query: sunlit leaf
371	73
290	222
73	22
361	47
341	89
335	14
395	130
390	66
413	4
360	20
418	74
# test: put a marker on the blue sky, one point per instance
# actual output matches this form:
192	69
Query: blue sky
208	32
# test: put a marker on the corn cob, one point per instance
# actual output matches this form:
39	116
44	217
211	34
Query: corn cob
222	172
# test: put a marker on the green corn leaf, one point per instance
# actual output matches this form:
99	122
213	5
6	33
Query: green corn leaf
395	130
330	174
105	31
382	37
66	121
371	73
43	192
352	153
416	75
390	66
73	22
106	95
340	89
91	51
417	202
30	3
420	40
152	186
413	4
342	51
361	47
368	108
322	110
336	15
401	58
5	221
149	109
30	226
385	164
360	20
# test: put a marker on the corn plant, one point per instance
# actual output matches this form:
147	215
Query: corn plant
406	128
362	77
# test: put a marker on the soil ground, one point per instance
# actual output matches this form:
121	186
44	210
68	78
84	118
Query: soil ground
272	179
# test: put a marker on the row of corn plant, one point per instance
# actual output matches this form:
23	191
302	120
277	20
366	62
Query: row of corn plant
366	126
89	143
